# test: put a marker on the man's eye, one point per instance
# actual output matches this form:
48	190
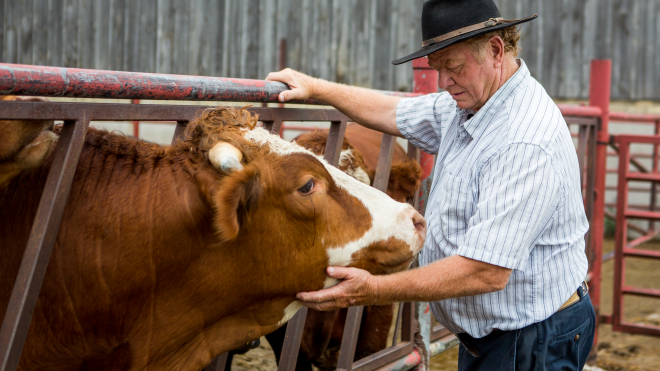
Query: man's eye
307	188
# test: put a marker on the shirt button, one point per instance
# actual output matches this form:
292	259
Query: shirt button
577	337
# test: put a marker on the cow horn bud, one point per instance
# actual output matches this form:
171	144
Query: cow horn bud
225	157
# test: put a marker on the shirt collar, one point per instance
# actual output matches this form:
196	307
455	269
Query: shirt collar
493	104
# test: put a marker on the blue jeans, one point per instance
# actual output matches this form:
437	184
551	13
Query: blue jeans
561	342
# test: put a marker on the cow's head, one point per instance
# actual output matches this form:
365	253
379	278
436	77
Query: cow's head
293	211
24	144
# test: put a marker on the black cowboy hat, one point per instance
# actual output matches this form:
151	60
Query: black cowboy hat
447	22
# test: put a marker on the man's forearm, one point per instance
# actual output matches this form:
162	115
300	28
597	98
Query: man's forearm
455	276
366	107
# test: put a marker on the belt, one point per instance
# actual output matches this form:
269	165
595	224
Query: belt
575	297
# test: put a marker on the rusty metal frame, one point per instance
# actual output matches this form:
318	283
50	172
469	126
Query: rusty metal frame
64	82
623	248
76	117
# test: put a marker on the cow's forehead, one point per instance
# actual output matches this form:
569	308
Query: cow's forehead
363	192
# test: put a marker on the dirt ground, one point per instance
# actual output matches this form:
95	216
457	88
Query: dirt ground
617	351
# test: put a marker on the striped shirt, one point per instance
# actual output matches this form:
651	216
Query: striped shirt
506	191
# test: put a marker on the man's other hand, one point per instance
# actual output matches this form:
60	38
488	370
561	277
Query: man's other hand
357	287
301	85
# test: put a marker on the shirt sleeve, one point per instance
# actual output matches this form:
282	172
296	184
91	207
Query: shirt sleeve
519	192
419	120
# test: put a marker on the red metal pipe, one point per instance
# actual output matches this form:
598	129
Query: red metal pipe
17	79
634	117
580	111
20	79
136	124
425	81
600	82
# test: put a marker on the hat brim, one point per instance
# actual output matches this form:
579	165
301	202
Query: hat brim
443	44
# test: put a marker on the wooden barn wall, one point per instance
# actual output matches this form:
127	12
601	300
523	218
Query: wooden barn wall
349	41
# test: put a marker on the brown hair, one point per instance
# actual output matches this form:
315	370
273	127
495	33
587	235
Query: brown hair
510	35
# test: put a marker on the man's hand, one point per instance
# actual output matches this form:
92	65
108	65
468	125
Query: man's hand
358	287
301	85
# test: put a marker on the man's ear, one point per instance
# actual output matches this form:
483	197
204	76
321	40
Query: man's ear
238	196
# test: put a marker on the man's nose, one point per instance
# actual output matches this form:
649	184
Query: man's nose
444	80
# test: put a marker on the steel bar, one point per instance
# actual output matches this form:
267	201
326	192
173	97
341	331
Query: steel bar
218	364
634	227
633	161
649	293
581	111
383	357
621	235
335	141
350	338
637	329
17	79
640	240
438	332
443	344
291	346
21	79
10	110
179	131
637	214
382	177
642	253
590	193
600	82
397	324
582	150
40	243
634	117
582	121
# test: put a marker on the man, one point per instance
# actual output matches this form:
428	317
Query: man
504	263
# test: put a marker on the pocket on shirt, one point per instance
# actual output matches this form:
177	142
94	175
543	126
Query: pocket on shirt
456	205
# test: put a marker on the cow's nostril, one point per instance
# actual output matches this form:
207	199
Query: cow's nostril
420	223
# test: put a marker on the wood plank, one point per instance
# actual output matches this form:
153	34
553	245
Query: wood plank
251	24
131	60
87	29
71	36
55	42
381	46
25	32
182	39
197	34
102	36
117	34
165	36
2	30
11	26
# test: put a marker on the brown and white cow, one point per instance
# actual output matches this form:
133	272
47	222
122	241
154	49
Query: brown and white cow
168	256
324	330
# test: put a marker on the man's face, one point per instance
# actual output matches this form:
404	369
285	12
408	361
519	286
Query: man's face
469	82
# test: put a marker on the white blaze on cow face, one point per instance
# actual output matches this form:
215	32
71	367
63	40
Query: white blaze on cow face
380	206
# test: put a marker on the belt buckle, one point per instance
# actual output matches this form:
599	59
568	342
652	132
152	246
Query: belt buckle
585	288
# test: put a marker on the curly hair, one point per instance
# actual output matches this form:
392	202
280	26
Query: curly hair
510	35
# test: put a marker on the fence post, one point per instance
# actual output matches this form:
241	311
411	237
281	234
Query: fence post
425	81
599	95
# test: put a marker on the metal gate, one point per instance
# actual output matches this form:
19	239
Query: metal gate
625	248
50	81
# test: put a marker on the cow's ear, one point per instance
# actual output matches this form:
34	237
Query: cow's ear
237	197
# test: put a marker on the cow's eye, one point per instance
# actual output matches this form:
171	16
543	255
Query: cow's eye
307	188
